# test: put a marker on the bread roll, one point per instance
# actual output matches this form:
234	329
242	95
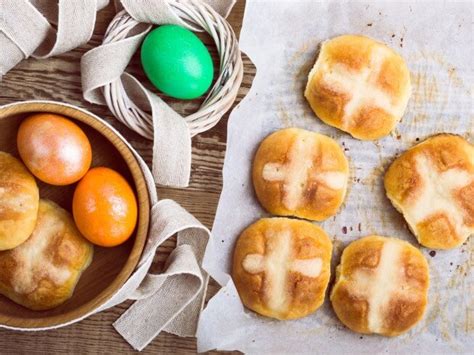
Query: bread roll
432	185
300	173
281	267
42	273
19	198
359	85
381	286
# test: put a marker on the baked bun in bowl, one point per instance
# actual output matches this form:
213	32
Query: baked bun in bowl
19	199
41	273
109	268
359	85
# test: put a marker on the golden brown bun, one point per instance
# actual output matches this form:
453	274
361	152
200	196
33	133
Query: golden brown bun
381	286
359	85
300	173
42	273
432	184
19	198
281	267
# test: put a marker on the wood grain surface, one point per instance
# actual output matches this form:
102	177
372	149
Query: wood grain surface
58	78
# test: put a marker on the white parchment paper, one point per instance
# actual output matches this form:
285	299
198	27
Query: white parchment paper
281	38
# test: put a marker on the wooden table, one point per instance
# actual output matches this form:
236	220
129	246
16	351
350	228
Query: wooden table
59	79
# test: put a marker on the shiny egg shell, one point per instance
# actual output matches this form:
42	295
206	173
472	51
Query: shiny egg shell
177	62
54	148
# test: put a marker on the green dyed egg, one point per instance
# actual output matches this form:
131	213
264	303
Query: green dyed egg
177	62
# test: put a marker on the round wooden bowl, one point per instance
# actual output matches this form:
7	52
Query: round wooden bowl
111	267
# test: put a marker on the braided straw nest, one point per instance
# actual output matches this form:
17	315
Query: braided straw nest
197	16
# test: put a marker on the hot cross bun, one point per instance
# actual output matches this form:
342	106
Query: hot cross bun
42	272
381	286
300	173
359	85
281	267
432	184
19	198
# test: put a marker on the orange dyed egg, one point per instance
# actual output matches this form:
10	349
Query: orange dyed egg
104	207
54	148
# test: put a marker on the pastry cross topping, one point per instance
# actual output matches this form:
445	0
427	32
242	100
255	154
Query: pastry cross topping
437	194
361	86
294	174
276	263
20	202
378	285
36	264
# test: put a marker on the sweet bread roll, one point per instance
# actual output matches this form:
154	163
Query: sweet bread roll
281	267
19	198
381	286
42	273
432	185
300	173
359	85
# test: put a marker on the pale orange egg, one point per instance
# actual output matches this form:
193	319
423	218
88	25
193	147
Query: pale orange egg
54	148
104	207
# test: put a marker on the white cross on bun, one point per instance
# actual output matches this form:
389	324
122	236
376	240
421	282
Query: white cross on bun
300	173
19	198
281	267
432	185
381	286
359	85
42	272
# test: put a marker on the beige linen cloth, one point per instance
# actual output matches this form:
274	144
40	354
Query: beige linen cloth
172	300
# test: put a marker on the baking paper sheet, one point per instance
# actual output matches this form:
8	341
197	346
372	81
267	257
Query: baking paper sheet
281	38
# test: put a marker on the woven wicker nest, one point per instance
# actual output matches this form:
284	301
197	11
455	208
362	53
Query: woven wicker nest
196	16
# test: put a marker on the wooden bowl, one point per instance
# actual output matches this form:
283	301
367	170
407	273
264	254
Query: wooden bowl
111	267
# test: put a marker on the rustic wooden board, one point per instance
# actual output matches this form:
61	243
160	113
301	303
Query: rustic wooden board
59	79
